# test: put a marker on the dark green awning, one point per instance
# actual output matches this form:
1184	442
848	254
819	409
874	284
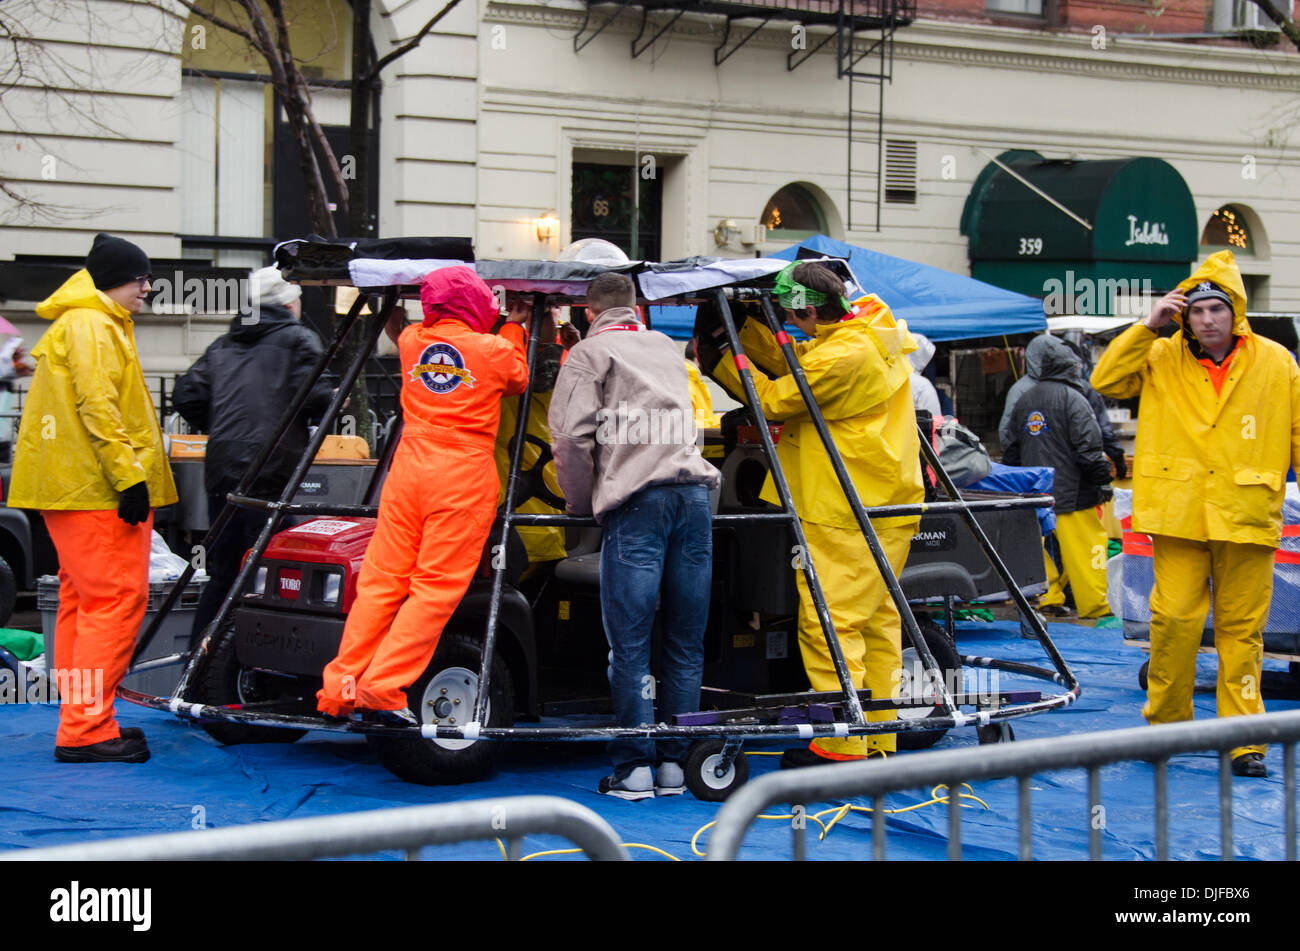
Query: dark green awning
1141	211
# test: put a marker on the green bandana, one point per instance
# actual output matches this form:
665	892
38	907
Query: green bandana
792	295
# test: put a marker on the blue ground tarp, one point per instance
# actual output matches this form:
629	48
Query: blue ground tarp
192	780
934	302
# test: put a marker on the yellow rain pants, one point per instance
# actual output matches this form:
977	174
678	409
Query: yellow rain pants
1242	576
865	619
1082	538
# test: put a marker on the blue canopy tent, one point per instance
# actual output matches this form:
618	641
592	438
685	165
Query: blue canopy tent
934	302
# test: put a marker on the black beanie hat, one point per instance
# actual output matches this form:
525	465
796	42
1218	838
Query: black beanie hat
1207	289
113	262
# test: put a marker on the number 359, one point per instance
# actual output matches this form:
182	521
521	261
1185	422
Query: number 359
1031	246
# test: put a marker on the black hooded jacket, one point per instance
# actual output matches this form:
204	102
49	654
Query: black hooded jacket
1053	425
238	389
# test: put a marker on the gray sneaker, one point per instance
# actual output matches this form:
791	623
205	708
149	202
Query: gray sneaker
669	779
637	784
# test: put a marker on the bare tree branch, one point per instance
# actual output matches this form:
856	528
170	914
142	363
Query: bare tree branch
409	44
224	24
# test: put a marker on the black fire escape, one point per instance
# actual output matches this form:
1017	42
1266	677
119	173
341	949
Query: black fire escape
861	29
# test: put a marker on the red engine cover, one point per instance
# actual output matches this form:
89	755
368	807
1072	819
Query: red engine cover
326	541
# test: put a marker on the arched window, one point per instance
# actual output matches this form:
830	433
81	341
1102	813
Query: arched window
1229	228
792	214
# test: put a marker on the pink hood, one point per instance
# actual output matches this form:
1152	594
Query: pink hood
459	293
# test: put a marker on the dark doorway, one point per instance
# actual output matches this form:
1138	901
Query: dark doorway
603	205
292	217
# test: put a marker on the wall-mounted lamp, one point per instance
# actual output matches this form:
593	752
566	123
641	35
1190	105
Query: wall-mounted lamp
724	231
547	225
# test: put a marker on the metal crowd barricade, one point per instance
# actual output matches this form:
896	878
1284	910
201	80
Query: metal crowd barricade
360	833
1090	751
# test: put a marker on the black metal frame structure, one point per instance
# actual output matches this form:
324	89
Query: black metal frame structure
855	22
797	716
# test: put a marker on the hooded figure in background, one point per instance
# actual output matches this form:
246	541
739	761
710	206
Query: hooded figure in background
235	392
924	395
1053	425
1037	349
90	458
1218	427
439	499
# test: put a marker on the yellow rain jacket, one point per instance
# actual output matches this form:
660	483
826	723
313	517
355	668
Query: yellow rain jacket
1208	467
542	542
859	372
701	401
89	429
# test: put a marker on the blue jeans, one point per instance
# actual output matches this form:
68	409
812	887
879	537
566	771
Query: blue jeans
661	537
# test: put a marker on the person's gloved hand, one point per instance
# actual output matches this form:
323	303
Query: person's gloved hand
710	337
1121	467
133	504
1106	492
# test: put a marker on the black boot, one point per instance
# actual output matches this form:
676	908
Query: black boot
118	750
1249	764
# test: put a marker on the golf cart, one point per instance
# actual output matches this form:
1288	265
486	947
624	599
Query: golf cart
521	651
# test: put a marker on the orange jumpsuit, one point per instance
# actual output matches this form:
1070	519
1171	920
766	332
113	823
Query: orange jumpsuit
437	507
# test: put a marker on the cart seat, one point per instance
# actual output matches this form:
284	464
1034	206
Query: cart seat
582	566
939	579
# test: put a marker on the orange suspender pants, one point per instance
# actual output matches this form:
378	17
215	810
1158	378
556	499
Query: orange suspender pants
103	594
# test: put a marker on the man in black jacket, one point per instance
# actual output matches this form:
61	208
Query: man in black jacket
1053	425
236	392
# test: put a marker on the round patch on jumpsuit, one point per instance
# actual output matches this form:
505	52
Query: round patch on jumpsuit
1036	424
441	368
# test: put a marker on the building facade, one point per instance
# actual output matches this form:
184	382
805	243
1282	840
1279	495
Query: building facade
662	131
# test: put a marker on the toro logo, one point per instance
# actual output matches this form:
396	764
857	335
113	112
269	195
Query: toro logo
441	369
290	583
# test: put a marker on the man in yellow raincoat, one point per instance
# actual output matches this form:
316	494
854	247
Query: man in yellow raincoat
856	364
1218	426
90	458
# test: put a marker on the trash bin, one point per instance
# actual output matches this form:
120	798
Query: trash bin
173	636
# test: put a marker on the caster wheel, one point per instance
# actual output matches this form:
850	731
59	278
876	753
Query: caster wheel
1142	674
701	770
996	733
1029	633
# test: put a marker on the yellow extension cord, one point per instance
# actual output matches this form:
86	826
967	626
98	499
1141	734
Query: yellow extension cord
840	811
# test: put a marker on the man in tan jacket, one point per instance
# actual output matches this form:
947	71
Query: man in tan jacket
90	458
624	445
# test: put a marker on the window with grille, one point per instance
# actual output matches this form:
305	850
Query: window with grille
900	171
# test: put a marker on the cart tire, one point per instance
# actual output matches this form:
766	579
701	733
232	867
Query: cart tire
441	762
1146	665
701	779
226	682
945	652
1027	632
8	592
993	734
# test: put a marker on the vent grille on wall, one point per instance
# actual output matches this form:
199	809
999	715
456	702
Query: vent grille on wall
900	172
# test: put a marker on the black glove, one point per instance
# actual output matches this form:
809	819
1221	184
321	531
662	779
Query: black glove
133	504
1121	467
710	337
1106	493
